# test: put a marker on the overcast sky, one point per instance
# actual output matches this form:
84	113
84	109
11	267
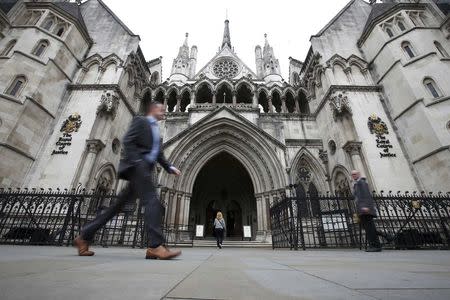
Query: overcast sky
162	25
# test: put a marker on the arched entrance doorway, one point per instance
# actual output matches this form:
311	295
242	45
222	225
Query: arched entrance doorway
223	184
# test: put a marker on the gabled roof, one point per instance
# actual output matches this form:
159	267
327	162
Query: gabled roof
72	9
6	5
378	9
444	6
226	52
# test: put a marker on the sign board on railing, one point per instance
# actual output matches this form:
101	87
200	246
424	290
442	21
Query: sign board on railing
247	232
199	231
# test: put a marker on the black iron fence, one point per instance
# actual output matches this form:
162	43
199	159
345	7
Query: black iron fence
405	221
55	217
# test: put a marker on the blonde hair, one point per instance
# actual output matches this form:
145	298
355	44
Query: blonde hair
219	216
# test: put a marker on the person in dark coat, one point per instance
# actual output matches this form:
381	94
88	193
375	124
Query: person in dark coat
142	150
366	210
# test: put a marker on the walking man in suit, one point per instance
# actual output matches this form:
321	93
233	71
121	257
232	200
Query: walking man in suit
142	149
366	210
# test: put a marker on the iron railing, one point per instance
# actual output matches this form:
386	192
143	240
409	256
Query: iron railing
405	221
55	217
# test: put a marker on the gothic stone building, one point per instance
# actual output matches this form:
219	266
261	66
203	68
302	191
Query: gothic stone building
371	95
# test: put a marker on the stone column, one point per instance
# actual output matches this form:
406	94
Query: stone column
187	204
166	98
269	100
192	99
93	147
172	208
259	212
297	106
214	100
353	148
283	104
255	100
180	209
178	103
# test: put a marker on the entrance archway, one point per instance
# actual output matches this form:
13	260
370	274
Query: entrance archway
223	184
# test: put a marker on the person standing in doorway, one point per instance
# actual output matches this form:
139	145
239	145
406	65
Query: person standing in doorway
366	210
142	150
219	228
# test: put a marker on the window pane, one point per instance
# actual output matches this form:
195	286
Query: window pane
40	49
432	90
408	51
389	32
16	87
48	25
401	26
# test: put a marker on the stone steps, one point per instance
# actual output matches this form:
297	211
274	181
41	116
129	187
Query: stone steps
233	244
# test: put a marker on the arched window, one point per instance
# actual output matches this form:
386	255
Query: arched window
276	102
432	88
154	79
408	49
244	94
48	24
296	79
8	48
60	30
16	86
440	49
401	26
389	32
40	48
262	100
204	94
303	103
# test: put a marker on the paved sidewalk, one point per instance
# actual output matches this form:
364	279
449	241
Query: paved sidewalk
30	272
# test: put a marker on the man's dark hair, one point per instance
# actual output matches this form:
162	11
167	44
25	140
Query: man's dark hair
151	105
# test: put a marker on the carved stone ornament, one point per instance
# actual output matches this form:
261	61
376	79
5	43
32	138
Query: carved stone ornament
380	129
376	126
340	106
109	102
323	155
71	124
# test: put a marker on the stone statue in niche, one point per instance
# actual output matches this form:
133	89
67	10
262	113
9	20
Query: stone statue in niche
109	102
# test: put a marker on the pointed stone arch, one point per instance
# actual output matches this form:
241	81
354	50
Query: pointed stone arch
340	180
247	82
206	82
248	145
317	173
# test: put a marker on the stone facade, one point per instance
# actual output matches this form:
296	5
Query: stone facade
370	95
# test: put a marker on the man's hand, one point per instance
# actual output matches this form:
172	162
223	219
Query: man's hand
175	171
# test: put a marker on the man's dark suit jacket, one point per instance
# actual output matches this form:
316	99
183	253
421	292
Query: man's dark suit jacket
137	142
363	197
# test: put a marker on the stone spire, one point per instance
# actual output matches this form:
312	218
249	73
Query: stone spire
183	66
267	65
226	35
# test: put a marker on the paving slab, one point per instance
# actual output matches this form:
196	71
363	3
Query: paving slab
33	272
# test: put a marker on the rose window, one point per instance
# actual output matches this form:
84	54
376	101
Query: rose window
225	68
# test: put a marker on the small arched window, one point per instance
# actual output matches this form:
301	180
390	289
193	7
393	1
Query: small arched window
40	48
389	32
8	47
16	86
48	24
60	31
408	49
440	49
401	26
432	88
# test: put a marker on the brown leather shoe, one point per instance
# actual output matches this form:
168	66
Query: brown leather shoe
161	252
83	247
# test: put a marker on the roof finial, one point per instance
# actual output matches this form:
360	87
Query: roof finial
226	35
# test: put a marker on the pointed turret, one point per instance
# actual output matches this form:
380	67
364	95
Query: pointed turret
183	66
226	35
267	66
